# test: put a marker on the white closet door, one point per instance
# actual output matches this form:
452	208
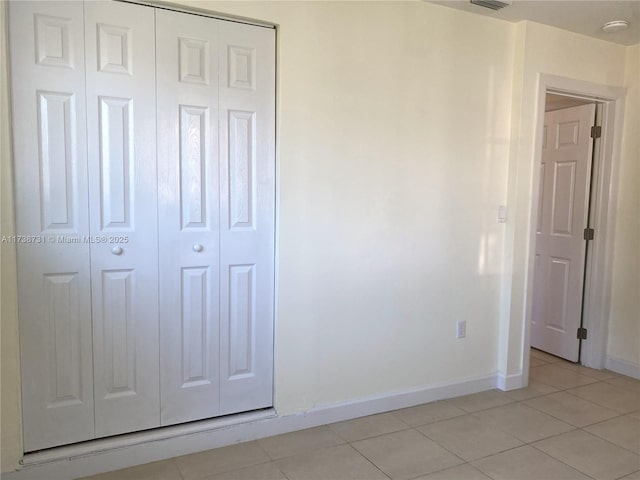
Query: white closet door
121	120
47	67
247	185
187	70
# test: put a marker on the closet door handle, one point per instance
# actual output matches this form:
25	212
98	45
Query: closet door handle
197	247
117	250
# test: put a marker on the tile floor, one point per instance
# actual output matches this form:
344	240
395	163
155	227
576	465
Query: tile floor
571	422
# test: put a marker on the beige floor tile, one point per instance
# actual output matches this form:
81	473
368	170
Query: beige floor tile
481	401
532	390
428	413
526	463
406	454
545	356
469	437
264	471
301	441
558	377
536	362
523	422
571	409
338	462
623	431
225	459
589	372
461	472
365	427
613	397
591	455
626	382
163	470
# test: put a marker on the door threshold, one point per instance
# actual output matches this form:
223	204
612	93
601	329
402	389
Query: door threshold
92	447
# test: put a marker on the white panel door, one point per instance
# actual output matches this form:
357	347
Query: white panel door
247	185
562	216
121	128
47	67
187	70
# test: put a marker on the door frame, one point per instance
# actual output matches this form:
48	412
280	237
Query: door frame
599	261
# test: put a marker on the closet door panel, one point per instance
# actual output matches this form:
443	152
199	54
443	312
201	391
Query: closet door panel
121	116
247	199
187	64
47	67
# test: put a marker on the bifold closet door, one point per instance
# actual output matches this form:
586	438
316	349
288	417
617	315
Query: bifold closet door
121	125
187	70
216	160
247	215
48	86
145	187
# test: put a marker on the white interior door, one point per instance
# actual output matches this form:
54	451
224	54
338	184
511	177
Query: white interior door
47	68
562	217
247	203
121	120
187	64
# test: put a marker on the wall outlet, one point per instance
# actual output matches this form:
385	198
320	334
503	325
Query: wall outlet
461	329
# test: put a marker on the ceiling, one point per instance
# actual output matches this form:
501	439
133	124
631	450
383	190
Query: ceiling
580	16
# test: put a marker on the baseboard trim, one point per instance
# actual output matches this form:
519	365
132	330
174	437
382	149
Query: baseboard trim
623	367
510	382
66	463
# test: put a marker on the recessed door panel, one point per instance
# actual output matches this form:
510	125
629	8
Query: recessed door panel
242	314
58	162
557	293
564	183
65	376
116	165
54	305
53	42
196	304
118	332
194	134
242	182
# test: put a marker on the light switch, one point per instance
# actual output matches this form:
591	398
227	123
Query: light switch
502	213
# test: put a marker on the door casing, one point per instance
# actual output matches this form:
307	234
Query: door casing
599	261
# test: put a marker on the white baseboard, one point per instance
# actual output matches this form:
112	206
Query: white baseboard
509	382
622	367
90	458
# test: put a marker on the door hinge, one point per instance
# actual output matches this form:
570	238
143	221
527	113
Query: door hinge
582	333
588	233
596	132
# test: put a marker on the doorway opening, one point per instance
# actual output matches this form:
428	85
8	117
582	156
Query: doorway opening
594	278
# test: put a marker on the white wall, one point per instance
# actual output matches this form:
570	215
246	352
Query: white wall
624	327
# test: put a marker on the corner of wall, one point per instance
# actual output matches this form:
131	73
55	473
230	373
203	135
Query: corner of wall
623	354
10	415
506	316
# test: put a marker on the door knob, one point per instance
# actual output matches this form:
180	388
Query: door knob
197	247
117	250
